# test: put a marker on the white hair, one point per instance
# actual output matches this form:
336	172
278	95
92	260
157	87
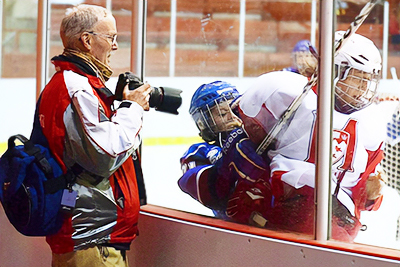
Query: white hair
79	19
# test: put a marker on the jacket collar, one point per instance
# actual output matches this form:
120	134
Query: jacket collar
74	64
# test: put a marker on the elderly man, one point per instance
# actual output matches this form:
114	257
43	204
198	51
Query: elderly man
76	119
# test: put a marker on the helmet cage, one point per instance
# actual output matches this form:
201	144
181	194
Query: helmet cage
354	89
214	118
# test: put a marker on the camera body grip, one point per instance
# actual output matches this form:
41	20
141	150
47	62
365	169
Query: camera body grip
165	99
123	80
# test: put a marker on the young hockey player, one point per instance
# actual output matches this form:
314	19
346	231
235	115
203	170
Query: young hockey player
357	141
208	176
211	111
304	61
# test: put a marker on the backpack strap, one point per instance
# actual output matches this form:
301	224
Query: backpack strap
53	184
64	181
32	150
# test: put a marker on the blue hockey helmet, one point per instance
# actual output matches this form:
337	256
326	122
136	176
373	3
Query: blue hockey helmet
210	109
302	46
304	61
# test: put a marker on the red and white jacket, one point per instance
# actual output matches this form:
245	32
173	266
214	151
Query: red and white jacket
77	119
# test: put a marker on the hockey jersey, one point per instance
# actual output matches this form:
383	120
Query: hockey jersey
357	139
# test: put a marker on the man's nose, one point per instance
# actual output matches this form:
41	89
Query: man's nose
115	45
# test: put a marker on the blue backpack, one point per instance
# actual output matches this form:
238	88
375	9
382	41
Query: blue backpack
32	186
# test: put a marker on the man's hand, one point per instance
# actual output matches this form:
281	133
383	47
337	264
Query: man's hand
140	95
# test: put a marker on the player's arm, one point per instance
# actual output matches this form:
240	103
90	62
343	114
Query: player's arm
286	172
200	154
199	183
199	174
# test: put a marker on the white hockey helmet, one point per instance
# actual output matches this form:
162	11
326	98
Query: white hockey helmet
357	72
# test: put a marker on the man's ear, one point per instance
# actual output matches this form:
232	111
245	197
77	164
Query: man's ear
86	40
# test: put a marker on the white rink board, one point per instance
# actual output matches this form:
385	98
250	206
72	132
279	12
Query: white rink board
165	242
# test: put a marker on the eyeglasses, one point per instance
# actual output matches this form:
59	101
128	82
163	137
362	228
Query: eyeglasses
113	38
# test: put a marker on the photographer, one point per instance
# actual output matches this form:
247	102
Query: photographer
81	128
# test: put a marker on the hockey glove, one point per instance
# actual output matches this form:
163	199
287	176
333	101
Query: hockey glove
250	203
345	226
240	160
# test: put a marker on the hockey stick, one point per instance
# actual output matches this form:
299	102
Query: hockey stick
287	115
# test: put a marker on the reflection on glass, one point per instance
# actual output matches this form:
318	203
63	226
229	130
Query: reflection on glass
19	39
207	36
225	41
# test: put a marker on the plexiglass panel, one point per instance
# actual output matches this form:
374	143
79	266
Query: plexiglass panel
193	43
18	38
365	175
217	36
189	44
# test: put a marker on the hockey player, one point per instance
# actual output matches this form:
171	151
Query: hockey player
357	141
304	61
210	178
211	111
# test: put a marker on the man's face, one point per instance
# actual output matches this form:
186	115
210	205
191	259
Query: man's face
103	39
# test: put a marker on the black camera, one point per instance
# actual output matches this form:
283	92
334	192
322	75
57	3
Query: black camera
165	99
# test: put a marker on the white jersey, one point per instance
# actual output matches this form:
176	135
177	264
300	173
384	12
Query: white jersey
355	136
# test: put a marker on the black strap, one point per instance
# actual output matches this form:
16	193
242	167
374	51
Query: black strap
11	140
64	181
32	150
125	104
139	178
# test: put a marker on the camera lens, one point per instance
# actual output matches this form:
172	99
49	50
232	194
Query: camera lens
169	99
156	97
165	99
